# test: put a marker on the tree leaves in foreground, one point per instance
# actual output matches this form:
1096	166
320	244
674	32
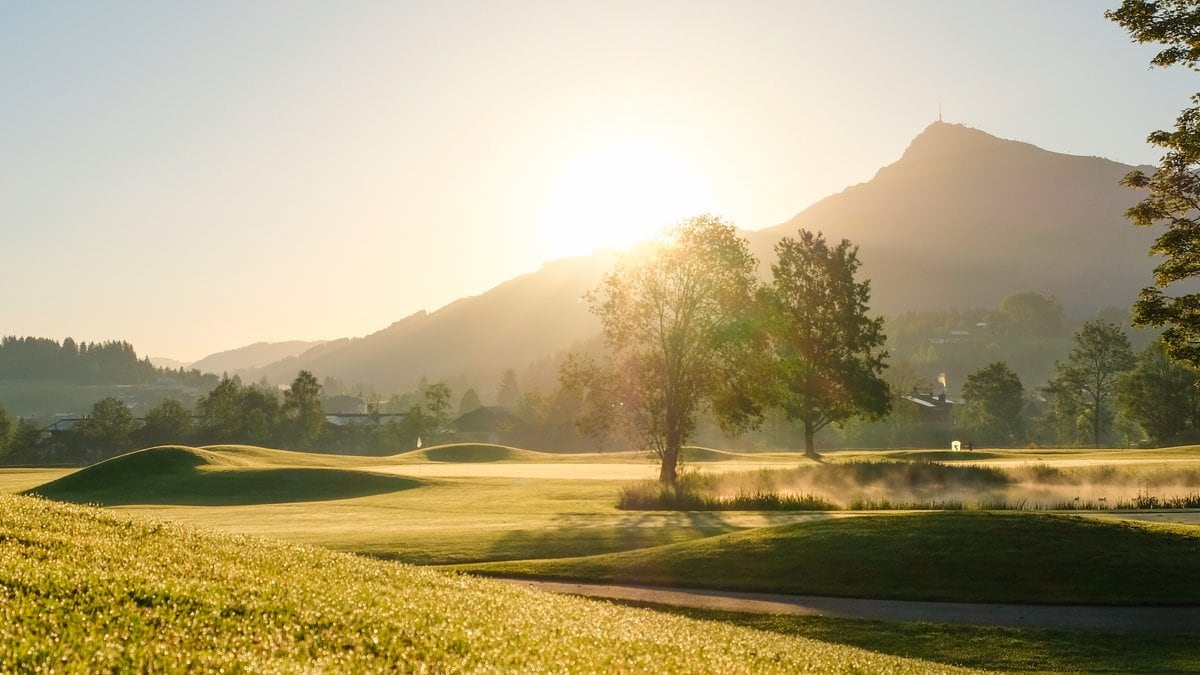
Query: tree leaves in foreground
825	355
675	318
1174	187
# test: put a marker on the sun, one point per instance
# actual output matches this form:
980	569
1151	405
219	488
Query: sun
617	196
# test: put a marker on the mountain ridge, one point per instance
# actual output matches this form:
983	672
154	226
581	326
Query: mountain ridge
962	209
960	220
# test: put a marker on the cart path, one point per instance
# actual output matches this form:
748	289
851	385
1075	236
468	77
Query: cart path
1098	618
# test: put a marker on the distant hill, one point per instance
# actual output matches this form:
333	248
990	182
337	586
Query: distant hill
253	356
964	218
511	325
961	220
168	363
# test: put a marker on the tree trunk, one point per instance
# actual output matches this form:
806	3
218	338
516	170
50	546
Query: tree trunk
810	449
670	462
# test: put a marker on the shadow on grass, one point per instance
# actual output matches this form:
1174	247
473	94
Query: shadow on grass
195	486
572	536
986	647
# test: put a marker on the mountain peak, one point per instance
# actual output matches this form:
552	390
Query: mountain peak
942	141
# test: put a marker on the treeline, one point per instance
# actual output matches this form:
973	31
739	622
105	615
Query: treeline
109	362
232	413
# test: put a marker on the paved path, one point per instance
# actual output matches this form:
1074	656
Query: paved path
1115	619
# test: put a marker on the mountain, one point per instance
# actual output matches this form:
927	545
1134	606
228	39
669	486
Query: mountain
963	219
257	355
511	325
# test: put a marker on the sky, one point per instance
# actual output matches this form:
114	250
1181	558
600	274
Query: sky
197	176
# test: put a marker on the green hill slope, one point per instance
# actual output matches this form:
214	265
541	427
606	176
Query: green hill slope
963	557
88	591
475	453
222	475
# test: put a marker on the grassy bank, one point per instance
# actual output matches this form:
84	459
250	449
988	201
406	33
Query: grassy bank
965	557
86	590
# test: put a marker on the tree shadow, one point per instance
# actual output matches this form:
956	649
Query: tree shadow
584	535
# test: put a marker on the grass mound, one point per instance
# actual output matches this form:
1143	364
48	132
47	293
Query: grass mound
476	452
695	453
963	557
213	477
88	591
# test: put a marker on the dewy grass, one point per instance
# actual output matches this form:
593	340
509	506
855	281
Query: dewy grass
84	590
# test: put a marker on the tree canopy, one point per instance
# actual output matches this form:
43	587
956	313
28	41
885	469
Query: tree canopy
1174	186
993	398
1086	383
824	353
675	319
1162	397
302	412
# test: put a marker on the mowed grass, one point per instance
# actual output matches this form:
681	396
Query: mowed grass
468	519
84	589
380	507
964	557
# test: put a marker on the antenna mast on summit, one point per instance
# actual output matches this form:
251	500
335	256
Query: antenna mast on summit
939	111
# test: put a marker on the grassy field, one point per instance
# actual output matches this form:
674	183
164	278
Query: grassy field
90	590
340	502
554	515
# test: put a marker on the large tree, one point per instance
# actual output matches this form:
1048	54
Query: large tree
219	412
675	318
167	422
1162	397
302	410
825	354
993	398
1174	187
1086	383
109	427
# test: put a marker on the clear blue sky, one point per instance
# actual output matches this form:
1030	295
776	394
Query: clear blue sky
193	177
